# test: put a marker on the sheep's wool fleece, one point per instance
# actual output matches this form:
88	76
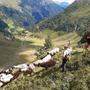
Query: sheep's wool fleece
23	67
68	51
47	58
31	66
55	50
1	84
6	78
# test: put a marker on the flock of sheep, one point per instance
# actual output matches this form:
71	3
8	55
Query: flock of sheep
12	73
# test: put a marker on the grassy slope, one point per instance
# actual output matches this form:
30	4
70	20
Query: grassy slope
54	79
79	10
61	41
16	52
14	49
42	80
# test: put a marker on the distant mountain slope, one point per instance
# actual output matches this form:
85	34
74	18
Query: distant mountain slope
79	9
29	12
75	17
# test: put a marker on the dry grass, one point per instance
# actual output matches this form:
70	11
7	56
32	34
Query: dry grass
61	41
28	55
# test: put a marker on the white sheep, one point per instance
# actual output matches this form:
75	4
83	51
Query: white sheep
23	67
55	50
31	66
67	52
70	50
38	62
47	58
5	77
1	84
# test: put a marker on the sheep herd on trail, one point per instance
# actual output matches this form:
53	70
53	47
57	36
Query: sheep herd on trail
8	75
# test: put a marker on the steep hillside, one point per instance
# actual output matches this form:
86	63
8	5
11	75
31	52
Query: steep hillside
76	76
75	17
79	9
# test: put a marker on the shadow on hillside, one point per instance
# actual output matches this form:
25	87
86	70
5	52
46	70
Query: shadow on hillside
9	51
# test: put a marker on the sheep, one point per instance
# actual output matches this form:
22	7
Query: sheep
67	52
30	69
1	84
22	67
8	75
5	77
55	50
47	58
47	64
16	73
13	73
37	62
25	68
32	66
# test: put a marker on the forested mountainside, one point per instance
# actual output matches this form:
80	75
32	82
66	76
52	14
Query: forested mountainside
28	12
75	18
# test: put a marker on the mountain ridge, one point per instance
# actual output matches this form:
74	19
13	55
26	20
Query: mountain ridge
30	11
75	17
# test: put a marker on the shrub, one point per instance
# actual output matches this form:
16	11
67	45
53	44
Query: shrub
48	42
57	56
41	53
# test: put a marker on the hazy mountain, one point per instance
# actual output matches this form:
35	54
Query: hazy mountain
75	17
28	12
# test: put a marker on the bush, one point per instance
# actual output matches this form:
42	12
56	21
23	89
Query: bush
48	42
41	53
57	56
